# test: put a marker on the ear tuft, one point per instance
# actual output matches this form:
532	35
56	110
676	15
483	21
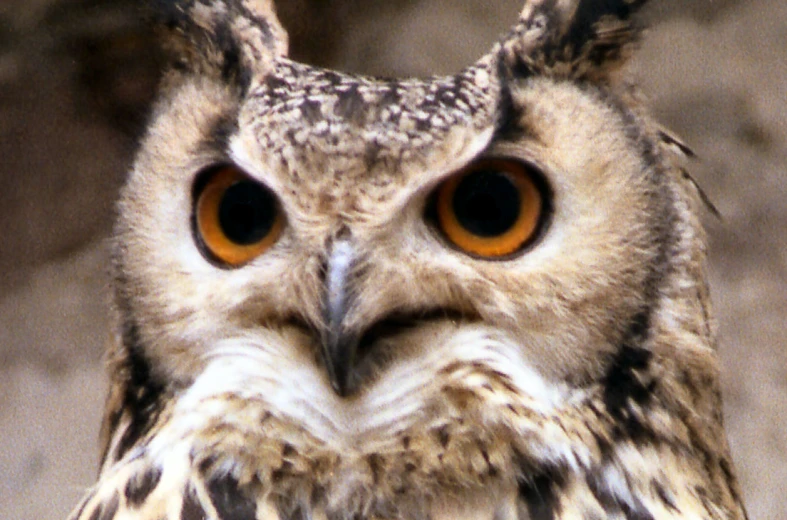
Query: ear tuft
230	38
577	39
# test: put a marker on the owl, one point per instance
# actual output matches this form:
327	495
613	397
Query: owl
480	296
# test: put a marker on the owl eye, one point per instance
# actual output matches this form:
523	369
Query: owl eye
236	218
491	209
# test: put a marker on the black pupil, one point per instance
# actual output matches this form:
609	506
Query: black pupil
487	203
247	213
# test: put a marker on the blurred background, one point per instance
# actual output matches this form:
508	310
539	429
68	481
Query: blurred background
76	81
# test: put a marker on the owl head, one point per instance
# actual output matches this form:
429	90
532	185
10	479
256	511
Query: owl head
508	256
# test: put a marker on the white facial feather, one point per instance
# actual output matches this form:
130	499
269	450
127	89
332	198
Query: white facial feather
266	367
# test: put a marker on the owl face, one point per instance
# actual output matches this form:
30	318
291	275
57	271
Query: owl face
327	213
356	294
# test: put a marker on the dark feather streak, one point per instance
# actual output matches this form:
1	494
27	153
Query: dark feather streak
140	486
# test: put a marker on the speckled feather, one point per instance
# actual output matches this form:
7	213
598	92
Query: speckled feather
577	380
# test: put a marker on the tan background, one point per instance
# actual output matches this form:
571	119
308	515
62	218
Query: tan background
76	76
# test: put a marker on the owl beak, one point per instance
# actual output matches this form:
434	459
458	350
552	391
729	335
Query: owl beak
339	352
339	345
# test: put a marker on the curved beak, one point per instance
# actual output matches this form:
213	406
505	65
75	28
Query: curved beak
339	345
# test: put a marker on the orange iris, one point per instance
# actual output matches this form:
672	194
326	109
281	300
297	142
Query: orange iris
237	218
490	209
